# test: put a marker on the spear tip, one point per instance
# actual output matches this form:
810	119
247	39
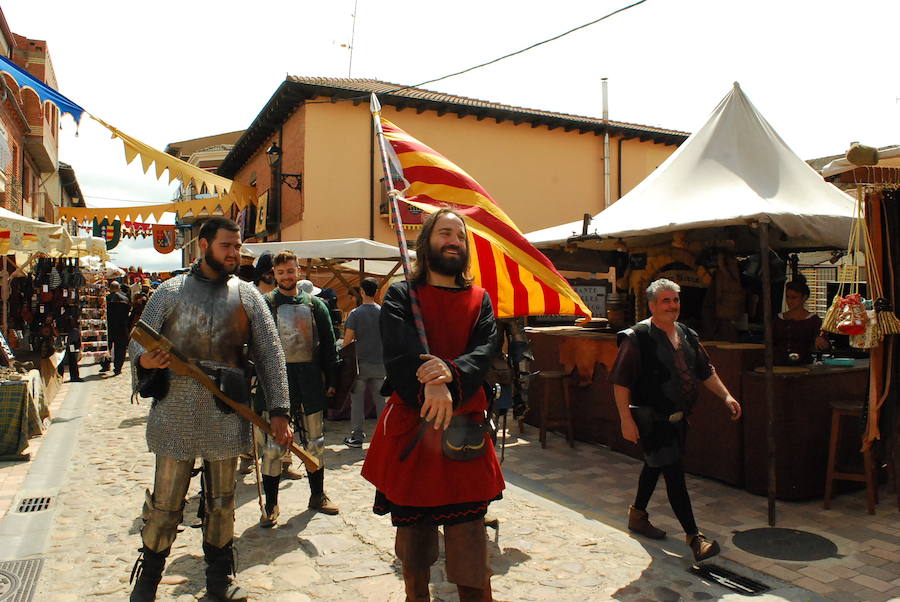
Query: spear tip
374	105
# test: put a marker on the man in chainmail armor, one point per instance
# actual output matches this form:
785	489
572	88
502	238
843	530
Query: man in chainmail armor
209	315
306	334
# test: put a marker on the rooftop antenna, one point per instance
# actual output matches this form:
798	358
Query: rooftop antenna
352	39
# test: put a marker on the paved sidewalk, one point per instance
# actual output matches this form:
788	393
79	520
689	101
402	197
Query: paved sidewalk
544	550
601	484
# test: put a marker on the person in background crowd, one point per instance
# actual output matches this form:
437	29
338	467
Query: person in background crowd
139	302
73	350
363	327
265	277
797	331
655	376
118	309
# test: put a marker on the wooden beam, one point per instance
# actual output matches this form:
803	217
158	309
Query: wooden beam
400	106
343	281
420	109
442	111
461	114
871	175
500	119
480	116
536	124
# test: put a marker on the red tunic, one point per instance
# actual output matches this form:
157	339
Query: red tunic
426	478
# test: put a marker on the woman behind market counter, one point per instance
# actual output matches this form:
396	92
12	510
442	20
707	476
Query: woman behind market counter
797	332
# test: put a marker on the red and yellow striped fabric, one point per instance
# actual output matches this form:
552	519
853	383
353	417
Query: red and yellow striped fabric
520	279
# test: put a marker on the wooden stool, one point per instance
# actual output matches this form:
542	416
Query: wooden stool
549	378
840	409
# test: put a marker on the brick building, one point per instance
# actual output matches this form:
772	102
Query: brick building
30	180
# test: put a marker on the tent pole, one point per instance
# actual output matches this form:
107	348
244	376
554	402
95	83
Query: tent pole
770	360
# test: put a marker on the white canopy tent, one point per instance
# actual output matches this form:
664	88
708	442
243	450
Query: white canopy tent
378	259
734	171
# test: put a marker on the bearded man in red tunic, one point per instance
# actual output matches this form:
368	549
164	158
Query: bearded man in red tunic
425	474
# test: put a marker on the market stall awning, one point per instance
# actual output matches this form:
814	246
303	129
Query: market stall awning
887	157
734	171
23	234
335	248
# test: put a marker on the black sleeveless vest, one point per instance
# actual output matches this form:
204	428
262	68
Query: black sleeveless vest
658	385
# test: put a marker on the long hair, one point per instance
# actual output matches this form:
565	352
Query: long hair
423	247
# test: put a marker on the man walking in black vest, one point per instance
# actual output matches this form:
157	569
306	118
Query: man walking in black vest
655	376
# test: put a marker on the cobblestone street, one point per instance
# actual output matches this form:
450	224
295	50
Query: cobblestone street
543	550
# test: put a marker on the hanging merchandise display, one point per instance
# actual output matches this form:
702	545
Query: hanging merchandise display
163	238
865	321
94	339
44	305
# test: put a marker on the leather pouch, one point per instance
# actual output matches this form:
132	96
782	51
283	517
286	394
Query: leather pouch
233	383
153	383
464	439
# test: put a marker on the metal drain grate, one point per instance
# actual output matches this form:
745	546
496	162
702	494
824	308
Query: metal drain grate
34	504
18	579
727	579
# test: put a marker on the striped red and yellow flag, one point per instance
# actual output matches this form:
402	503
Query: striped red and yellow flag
520	279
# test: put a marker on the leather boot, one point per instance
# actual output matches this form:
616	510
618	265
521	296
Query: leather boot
416	583
702	547
147	572
317	499
289	473
219	570
639	522
474	594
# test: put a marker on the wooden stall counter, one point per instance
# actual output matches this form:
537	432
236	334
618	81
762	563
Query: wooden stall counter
802	425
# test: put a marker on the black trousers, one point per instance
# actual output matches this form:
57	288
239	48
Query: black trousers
70	360
118	343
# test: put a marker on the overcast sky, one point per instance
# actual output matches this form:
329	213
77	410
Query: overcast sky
165	71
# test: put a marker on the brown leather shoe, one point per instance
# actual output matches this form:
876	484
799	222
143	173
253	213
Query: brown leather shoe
289	473
269	520
321	503
639	522
702	547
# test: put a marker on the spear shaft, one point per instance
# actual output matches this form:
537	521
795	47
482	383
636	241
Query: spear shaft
393	195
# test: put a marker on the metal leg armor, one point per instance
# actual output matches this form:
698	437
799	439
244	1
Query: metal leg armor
218	521
313	437
271	455
163	508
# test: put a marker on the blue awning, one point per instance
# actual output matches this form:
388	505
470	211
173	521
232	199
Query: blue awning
45	93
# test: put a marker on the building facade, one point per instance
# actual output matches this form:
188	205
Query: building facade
542	168
30	180
206	153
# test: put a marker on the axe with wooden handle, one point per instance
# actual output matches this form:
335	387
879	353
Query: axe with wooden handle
151	340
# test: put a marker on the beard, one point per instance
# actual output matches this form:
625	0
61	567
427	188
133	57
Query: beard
218	265
453	265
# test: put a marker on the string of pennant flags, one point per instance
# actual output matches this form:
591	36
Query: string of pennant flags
225	193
